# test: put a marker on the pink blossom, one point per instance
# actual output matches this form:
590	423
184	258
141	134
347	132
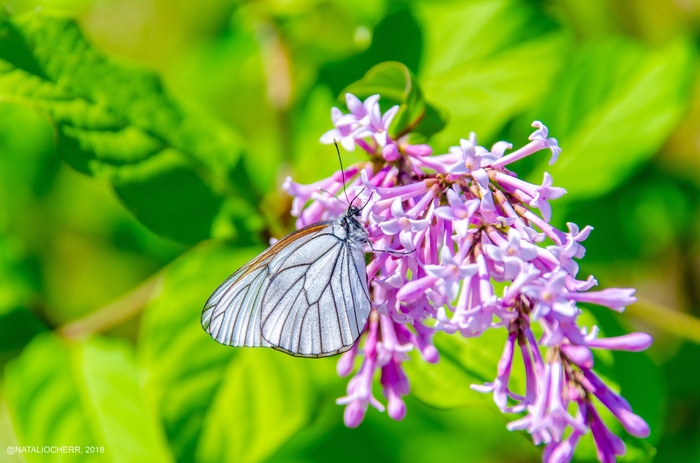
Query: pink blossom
443	228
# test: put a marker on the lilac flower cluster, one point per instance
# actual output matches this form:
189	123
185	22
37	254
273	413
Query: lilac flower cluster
461	224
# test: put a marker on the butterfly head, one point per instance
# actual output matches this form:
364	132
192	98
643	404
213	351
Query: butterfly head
353	211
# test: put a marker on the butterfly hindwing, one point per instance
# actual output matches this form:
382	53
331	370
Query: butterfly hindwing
232	314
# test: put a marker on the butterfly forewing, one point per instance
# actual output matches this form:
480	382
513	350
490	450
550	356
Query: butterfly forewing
306	295
309	308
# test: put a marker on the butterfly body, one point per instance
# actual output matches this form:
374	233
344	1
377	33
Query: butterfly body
305	295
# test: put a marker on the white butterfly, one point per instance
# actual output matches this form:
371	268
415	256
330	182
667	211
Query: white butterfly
306	294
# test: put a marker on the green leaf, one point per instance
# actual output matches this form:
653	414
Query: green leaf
117	122
396	85
43	398
487	62
81	394
117	412
463	362
201	388
616	104
265	399
185	365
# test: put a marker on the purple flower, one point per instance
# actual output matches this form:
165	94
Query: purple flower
571	248
444	228
615	298
360	387
472	157
619	407
550	294
540	140
548	418
510	254
402	224
608	445
450	273
459	211
633	342
543	193
365	120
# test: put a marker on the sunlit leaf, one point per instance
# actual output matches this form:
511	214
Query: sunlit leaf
85	394
616	104
463	362
486	62
42	396
118	122
396	85
185	364
265	398
109	384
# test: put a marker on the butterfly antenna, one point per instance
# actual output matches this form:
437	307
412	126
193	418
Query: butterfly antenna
332	196
342	171
358	195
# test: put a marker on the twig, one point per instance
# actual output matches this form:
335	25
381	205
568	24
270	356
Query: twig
115	313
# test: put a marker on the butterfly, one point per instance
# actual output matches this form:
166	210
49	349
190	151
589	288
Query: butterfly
306	295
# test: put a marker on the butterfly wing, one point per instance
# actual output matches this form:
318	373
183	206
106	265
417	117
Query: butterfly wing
317	301
232	313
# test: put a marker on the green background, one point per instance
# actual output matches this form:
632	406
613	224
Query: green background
142	149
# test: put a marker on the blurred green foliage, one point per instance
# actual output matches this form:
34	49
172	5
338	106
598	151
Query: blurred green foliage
142	145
